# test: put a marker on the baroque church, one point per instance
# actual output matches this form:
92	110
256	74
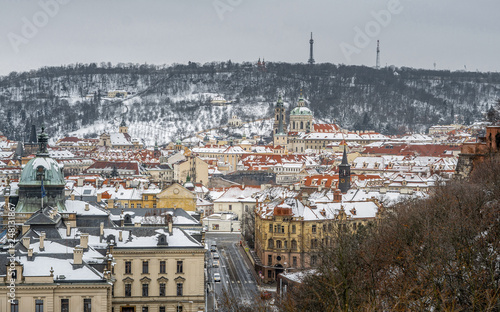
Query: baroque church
292	137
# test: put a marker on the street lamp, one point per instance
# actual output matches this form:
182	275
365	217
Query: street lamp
182	301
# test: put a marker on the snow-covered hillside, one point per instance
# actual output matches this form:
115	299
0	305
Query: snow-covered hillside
168	103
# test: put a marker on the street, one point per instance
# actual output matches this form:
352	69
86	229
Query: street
236	276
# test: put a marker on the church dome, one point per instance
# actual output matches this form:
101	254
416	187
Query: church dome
42	166
301	110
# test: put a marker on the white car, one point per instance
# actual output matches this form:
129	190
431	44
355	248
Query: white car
216	277
216	255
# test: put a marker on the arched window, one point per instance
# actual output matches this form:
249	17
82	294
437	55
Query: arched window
301	125
270	244
294	244
278	244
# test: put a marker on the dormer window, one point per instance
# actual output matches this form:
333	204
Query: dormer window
40	171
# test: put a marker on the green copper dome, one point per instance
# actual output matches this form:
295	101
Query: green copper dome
39	167
301	110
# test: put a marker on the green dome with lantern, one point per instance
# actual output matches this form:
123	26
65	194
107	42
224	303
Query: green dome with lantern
41	169
301	110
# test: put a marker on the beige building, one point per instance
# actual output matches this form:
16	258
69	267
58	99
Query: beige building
160	270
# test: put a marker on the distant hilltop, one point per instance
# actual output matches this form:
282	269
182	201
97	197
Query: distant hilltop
170	102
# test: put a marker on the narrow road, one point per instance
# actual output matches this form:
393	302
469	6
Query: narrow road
236	276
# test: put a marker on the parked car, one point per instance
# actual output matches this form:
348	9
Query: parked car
216	263
216	277
216	255
213	248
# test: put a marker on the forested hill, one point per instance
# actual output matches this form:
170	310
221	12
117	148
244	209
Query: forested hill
174	102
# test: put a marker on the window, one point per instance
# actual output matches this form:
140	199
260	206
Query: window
269	274
230	207
313	229
162	309
145	267
294	261
179	308
179	267
128	290
269	260
163	267
146	197
314	260
64	305
162	289
293	229
278	244
14	306
270	228
87	305
126	206
246	208
128	267
145	309
179	289
138	206
324	228
286	245
38	305
270	244
314	243
131	205
154	206
145	290
294	244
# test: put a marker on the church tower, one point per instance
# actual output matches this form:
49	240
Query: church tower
279	117
344	172
279	132
123	127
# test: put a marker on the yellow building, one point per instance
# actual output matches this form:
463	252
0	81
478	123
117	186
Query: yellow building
176	196
289	231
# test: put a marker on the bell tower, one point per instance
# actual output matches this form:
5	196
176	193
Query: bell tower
344	172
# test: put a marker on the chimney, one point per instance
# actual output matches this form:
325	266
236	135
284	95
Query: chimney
42	241
30	254
101	229
77	255
25	228
72	196
120	236
99	197
87	207
80	182
84	240
26	242
68	228
170	224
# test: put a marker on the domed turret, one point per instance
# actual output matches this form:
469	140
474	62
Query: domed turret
42	177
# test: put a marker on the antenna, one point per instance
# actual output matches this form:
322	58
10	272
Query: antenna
311	42
377	66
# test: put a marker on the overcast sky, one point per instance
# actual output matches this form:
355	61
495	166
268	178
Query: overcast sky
415	33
